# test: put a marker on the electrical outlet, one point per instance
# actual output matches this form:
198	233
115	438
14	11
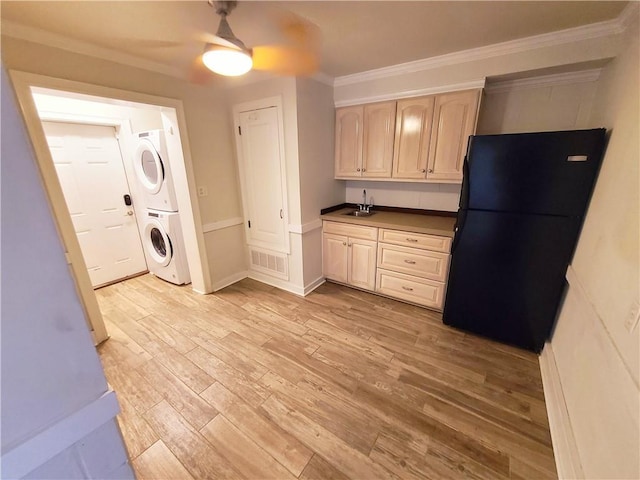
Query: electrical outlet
202	191
631	322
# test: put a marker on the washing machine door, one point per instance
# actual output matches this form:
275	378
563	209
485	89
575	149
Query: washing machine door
157	243
149	166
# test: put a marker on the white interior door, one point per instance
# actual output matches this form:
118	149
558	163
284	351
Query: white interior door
92	176
262	166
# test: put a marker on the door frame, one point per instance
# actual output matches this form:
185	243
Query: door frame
173	117
261	104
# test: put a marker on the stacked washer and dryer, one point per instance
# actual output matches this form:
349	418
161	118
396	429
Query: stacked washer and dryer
162	238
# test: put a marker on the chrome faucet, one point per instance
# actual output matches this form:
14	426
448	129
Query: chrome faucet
364	207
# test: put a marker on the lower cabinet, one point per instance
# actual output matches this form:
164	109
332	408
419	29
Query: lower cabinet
408	266
410	288
349	258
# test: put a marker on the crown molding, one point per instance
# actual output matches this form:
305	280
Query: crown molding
412	93
551	39
30	34
544	81
629	15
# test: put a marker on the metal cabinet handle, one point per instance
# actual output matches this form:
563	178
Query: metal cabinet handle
413	240
423	171
410	262
364	169
431	170
344	243
281	214
129	212
408	289
357	169
350	244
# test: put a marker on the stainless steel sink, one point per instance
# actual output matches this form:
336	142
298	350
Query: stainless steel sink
359	213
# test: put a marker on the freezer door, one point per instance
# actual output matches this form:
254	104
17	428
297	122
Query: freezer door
549	173
507	275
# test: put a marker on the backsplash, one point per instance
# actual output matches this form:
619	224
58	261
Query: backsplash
429	196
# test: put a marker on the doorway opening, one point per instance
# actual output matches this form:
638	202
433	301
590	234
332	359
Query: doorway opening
54	100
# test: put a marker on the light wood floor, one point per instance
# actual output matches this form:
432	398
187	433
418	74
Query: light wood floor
253	382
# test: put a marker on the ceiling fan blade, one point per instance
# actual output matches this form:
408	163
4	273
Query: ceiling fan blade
296	55
285	60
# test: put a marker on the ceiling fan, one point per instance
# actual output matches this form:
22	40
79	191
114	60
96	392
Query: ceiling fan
228	55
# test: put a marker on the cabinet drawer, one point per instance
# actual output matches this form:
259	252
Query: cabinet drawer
412	261
416	240
412	289
350	230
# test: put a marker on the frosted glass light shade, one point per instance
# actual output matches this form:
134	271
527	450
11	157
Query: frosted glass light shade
230	62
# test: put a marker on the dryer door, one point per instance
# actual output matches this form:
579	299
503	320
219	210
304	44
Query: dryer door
157	243
149	167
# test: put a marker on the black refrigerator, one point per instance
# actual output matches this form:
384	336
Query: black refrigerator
523	200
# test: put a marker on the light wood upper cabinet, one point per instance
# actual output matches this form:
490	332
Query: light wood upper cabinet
413	133
454	119
348	148
377	150
426	142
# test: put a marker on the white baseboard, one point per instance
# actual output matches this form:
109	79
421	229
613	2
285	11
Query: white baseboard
313	285
565	449
276	282
287	286
230	280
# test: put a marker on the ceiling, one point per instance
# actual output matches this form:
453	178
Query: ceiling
356	36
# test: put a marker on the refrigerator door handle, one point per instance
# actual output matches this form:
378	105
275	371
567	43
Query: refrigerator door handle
457	229
464	194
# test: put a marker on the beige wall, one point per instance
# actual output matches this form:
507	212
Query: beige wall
318	189
534	109
208	128
316	124
597	357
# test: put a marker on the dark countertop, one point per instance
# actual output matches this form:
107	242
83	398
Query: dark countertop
410	222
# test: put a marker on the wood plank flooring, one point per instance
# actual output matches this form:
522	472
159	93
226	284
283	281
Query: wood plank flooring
253	382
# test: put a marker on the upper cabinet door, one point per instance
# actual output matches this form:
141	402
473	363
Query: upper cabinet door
379	128
349	134
413	134
454	119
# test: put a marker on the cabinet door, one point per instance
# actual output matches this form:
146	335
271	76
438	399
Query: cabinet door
362	263
349	131
413	134
454	119
377	149
335	257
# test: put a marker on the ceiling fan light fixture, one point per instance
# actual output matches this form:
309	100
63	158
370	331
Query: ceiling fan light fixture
230	62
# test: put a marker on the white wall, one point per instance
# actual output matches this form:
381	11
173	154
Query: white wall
318	189
527	107
597	358
316	132
50	369
428	196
